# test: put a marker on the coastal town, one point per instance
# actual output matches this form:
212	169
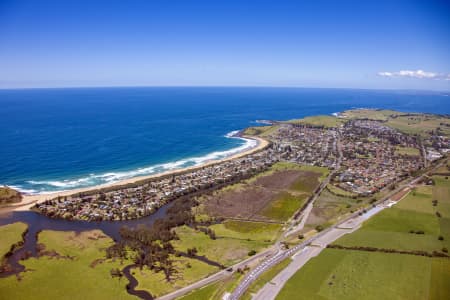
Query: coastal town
144	199
241	216
373	157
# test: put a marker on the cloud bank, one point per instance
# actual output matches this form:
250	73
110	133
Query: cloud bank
421	74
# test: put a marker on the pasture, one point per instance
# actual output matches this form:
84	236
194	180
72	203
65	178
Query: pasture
73	268
347	274
11	234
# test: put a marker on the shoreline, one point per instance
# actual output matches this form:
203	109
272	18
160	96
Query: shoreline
30	200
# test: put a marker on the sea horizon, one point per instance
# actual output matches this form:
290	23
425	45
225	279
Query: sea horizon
69	138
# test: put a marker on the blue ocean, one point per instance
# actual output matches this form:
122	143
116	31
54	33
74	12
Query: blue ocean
61	139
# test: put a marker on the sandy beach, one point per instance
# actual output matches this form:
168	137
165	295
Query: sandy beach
30	200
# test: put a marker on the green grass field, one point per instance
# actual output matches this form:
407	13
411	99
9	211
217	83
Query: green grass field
62	278
284	206
262	131
284	166
353	274
371	114
329	208
255	231
214	291
225	249
409	151
346	274
205	293
340	192
441	193
189	271
419	124
391	227
326	121
390	230
10	235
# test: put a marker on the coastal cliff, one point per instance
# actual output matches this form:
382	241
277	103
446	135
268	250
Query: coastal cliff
9	195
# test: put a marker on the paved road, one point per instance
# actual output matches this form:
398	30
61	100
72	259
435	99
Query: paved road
317	243
276	255
216	277
321	240
424	154
298	260
305	214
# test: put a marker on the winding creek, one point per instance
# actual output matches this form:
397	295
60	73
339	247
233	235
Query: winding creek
37	222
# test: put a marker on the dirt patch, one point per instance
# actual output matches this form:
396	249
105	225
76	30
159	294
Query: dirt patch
279	180
307	182
249	200
400	194
244	203
316	217
236	254
290	179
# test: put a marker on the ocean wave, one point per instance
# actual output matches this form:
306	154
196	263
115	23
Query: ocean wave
22	190
42	187
232	134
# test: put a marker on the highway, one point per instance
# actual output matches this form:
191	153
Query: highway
216	276
309	248
301	253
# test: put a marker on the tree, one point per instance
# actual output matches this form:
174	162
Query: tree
192	251
212	234
116	272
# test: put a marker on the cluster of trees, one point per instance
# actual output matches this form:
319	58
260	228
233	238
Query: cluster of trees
417	231
208	231
191	252
373	249
151	245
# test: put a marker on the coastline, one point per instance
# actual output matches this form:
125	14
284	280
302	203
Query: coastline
30	200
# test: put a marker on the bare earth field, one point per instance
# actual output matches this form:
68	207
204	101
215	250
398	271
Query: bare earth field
257	199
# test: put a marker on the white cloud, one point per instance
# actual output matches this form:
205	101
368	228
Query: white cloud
421	74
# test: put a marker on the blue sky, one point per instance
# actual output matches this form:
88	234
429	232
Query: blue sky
354	44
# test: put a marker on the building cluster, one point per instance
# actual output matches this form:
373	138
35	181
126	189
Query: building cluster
307	145
436	147
364	154
371	160
143	199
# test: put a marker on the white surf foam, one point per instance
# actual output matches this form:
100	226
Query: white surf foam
112	177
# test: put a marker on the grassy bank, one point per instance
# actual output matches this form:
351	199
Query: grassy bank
69	272
10	234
